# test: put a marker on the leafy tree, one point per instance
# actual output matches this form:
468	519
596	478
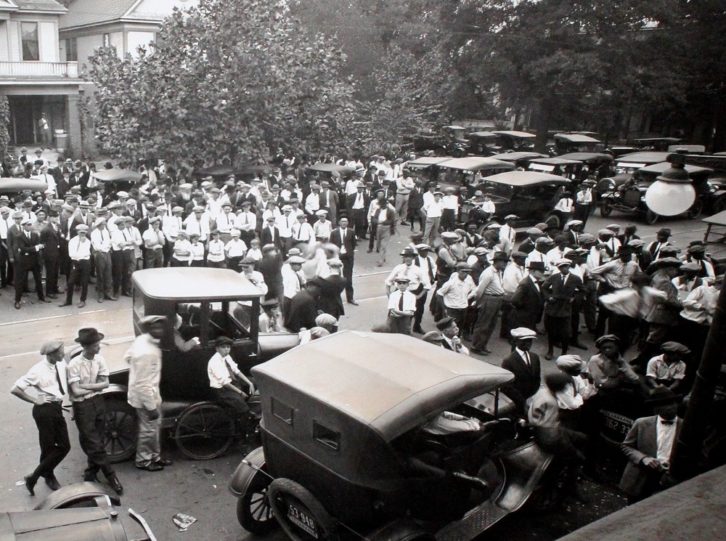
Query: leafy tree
4	124
228	80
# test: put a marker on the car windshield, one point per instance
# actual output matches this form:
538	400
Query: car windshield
498	192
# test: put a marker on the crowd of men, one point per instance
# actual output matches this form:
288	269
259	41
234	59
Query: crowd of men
294	235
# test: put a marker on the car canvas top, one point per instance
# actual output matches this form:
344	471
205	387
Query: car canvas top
194	284
474	163
525	178
389	382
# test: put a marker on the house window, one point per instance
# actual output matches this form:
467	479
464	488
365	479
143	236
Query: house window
107	40
29	37
72	50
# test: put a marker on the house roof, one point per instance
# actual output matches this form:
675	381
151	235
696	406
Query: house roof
83	13
32	5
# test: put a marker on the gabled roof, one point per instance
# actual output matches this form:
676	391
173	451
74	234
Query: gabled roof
83	13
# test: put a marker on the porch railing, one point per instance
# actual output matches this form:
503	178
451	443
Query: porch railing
39	69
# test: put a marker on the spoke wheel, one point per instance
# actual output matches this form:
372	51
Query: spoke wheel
120	430
254	511
204	431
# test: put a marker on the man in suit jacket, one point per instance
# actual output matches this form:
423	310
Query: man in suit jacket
526	369
415	204
345	239
270	234
648	446
527	299
27	249
50	238
559	292
329	201
358	204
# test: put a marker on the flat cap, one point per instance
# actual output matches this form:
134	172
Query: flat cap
675	347
51	346
523	333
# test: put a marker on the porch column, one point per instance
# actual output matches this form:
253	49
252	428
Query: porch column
73	114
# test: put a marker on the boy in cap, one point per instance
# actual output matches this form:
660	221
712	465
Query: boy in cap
401	307
235	249
227	381
87	377
668	369
49	383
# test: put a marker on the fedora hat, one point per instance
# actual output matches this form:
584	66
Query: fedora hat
88	336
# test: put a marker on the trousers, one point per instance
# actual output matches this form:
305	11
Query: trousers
104	285
89	416
348	261
486	320
52	436
80	274
148	442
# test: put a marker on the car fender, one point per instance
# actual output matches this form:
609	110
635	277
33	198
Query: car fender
273	344
115	389
76	493
246	471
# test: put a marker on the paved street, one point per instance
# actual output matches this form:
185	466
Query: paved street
196	488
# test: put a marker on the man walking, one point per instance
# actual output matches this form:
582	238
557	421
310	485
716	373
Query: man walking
144	359
87	377
47	378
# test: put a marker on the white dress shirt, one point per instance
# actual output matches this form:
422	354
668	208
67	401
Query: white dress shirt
665	436
220	370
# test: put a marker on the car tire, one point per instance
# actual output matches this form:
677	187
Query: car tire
254	512
401	530
283	492
605	208
120	430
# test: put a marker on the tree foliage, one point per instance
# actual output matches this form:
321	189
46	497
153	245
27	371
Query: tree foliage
229	80
4	124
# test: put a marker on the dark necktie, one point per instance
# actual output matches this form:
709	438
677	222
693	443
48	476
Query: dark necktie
58	379
400	302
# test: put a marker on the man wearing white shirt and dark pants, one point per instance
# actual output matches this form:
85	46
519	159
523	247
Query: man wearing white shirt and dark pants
101	242
48	380
401	307
344	238
79	250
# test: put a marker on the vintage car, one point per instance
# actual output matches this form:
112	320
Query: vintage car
516	140
210	303
563	167
625	166
78	512
467	172
529	194
630	197
654	143
519	159
576	142
592	162
483	143
10	185
350	448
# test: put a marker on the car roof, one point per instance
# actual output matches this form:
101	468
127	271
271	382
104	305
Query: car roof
662	166
656	139
116	174
331	167
389	382
513	133
646	157
525	178
576	138
514	156
194	284
474	163
482	134
428	160
13	185
584	156
558	160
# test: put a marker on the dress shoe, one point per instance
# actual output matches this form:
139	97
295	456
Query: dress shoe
151	466
115	484
418	330
100	300
353	302
52	483
51	296
110	298
81	304
64	304
369	251
549	356
46	301
164	461
17	306
127	294
30	484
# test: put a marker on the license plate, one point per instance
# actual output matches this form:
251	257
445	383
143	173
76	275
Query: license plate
302	520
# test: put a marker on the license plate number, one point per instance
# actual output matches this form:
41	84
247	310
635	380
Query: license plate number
302	520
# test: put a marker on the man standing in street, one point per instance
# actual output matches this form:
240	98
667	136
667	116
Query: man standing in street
144	359
345	239
489	299
101	243
47	378
27	249
87	377
79	250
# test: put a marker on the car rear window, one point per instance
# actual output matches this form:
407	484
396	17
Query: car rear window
326	437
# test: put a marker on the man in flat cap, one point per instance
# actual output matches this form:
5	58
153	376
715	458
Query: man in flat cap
28	259
48	381
669	368
525	366
144	359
